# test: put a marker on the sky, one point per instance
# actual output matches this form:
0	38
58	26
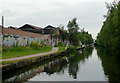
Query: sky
89	13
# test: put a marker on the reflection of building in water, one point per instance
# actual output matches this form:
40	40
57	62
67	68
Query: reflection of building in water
50	68
26	75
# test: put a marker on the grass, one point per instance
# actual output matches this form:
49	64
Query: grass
22	51
61	49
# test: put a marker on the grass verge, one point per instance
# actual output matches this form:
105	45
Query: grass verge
61	49
22	51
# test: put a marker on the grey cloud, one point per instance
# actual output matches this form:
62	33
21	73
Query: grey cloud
89	15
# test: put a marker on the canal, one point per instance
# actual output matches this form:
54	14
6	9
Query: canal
88	64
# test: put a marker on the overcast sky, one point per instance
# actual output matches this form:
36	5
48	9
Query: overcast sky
89	13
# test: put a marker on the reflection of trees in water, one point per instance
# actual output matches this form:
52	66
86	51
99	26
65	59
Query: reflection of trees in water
110	63
76	59
60	65
56	66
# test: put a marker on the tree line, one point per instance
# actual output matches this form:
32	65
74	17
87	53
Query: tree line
109	36
75	35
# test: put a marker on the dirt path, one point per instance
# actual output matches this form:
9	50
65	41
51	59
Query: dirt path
55	49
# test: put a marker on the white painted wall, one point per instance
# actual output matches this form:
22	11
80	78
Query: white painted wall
22	40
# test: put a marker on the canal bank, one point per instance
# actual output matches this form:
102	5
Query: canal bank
30	61
28	64
85	65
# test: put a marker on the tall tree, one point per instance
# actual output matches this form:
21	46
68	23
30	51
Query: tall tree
73	31
109	36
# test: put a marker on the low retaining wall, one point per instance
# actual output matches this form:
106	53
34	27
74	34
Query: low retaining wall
80	48
24	63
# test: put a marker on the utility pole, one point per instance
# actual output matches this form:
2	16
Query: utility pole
2	24
43	34
2	27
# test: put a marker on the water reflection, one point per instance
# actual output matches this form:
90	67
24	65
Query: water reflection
76	59
70	64
111	64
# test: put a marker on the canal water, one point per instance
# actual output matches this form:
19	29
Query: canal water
89	64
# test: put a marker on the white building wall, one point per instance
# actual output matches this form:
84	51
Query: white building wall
22	41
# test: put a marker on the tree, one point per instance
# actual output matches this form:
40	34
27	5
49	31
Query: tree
64	33
85	37
73	26
73	31
75	36
109	36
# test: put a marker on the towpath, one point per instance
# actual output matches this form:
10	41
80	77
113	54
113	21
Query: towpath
54	49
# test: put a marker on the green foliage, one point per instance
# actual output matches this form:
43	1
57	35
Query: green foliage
64	33
109	36
43	42
14	44
28	44
75	36
85	37
36	45
17	42
111	64
32	44
61	48
55	33
73	31
72	49
73	26
60	43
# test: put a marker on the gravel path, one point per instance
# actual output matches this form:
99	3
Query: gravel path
55	49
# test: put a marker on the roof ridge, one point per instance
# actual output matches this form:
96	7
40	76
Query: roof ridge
34	26
21	33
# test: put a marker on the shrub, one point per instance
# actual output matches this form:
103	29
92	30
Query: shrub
56	45
17	42
28	44
14	44
60	43
36	45
43	42
72	49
